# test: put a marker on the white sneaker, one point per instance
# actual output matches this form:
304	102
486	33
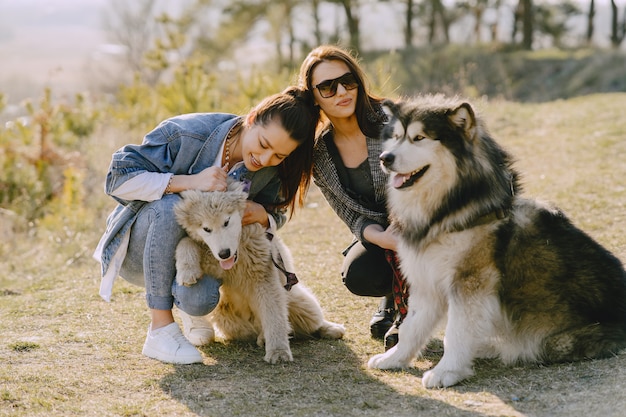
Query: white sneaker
197	329
168	344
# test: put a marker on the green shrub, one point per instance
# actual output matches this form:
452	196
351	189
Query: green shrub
39	153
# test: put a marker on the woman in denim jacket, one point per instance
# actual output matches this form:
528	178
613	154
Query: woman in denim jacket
270	149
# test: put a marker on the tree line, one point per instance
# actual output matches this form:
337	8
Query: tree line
154	35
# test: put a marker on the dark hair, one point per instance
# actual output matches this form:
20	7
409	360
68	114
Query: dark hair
368	111
296	112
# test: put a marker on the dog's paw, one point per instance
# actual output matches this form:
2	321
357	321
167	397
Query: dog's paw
386	360
187	277
278	355
332	330
440	378
260	340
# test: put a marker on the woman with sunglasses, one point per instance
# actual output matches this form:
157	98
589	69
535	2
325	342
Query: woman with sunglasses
270	149
347	170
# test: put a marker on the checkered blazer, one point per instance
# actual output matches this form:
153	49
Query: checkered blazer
352	212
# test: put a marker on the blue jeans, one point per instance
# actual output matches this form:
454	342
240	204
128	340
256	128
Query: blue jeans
150	262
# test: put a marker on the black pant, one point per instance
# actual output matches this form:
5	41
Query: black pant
366	271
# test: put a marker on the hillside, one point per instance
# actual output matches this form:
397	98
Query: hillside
536	76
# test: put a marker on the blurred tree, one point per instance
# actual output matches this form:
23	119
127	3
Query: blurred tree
438	21
618	29
590	16
279	14
477	9
524	16
410	15
408	29
158	35
551	19
168	49
317	31
131	25
235	26
352	11
240	22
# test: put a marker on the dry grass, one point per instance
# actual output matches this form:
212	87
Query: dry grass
65	352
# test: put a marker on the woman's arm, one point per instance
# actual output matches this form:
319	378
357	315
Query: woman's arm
170	148
209	179
378	235
150	186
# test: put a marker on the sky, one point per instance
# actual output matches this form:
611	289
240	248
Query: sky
47	42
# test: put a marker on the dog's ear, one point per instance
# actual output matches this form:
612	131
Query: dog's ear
389	108
464	118
234	185
189	199
184	208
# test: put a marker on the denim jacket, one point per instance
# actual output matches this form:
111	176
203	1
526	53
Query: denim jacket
185	144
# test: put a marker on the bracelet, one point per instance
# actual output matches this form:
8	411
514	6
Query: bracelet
169	185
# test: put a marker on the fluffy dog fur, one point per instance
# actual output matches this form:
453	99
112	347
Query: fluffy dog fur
514	277
253	301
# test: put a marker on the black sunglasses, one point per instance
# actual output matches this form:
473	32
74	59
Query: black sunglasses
328	88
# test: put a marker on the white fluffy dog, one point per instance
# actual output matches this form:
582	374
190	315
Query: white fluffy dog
257	300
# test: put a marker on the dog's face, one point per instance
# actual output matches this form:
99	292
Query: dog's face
215	219
420	141
221	233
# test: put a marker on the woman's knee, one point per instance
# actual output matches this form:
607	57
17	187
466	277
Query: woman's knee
198	299
367	276
370	285
163	218
365	271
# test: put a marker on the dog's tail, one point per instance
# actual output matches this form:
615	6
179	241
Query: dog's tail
593	341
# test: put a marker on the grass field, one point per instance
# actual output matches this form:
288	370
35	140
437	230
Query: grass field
66	352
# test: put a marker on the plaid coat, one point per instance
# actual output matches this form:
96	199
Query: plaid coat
353	213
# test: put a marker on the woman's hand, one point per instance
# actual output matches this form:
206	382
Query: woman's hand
385	238
255	213
209	179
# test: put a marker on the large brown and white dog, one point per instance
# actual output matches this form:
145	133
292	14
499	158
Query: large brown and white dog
256	301
514	277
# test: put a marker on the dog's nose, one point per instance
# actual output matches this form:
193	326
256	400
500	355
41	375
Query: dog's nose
224	254
387	158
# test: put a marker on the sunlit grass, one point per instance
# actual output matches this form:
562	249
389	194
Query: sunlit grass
65	351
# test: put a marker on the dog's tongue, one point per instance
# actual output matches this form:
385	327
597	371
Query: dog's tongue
228	263
399	179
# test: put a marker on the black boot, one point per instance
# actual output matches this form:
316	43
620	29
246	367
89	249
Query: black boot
391	337
382	320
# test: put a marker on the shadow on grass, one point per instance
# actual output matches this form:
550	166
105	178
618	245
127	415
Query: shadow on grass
326	378
586	388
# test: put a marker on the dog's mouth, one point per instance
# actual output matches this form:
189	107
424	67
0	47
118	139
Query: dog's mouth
227	264
401	181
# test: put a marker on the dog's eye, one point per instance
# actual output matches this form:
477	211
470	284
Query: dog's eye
226	222
206	229
417	138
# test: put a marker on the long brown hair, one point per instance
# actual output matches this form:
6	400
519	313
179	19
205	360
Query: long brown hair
296	112
368	113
